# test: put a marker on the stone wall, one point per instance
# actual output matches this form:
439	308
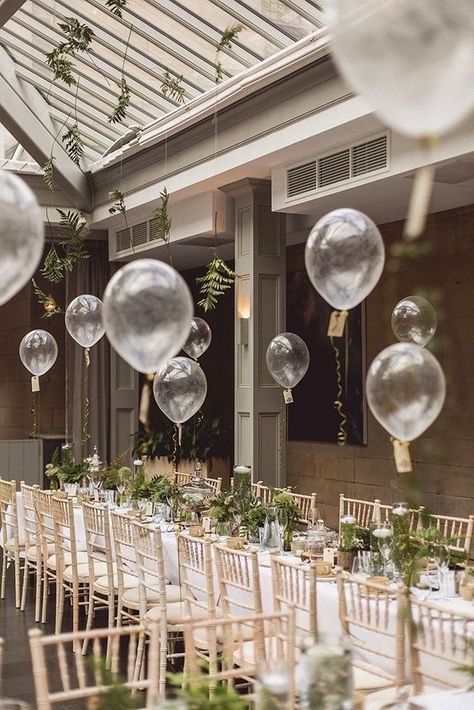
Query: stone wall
441	267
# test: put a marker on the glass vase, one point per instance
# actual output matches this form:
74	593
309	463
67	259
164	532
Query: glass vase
271	530
325	677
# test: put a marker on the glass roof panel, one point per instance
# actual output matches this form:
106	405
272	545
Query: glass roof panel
154	36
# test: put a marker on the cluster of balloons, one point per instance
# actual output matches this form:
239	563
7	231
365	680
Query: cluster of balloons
287	360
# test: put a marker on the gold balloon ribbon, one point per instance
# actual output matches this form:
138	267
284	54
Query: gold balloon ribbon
175	448
338	404
145	399
86	406
421	192
35	412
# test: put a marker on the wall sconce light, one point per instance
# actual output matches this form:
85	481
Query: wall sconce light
243	309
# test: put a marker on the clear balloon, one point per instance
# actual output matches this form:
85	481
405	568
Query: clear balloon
410	60
405	390
21	234
199	338
287	359
147	311
414	320
84	320
180	388
344	257
38	352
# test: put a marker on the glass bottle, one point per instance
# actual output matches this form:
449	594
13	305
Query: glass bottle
271	529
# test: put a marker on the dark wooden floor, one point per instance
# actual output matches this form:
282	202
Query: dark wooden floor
17	677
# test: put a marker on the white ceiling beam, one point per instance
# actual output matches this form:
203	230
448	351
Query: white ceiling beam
8	8
20	113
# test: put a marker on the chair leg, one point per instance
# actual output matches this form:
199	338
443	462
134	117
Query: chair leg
17	580
111	623
45	594
4	574
59	606
39	572
25	584
90	619
75	615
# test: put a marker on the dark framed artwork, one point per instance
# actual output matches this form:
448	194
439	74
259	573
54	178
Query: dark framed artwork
312	416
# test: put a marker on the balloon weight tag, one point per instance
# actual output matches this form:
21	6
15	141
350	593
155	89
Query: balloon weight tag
401	454
35	384
337	323
288	396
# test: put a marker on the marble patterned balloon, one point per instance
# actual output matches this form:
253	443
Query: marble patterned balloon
413	61
414	320
287	359
180	388
405	390
344	257
199	338
38	352
84	320
147	310
21	234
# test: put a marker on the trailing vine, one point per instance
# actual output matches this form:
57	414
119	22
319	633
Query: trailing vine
116	6
225	42
51	308
171	86
119	205
48	173
74	144
219	277
78	39
162	222
123	102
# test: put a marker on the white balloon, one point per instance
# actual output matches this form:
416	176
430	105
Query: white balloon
414	320
84	320
38	351
405	390
413	60
344	257
180	388
287	359
21	234
199	338
147	311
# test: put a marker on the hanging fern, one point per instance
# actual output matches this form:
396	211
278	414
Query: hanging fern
120	111
116	6
74	143
51	308
74	231
171	86
216	281
119	205
53	266
161	218
48	173
79	36
61	66
225	42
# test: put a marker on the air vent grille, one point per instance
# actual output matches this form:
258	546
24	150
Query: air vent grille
346	165
302	179
152	230
139	234
122	239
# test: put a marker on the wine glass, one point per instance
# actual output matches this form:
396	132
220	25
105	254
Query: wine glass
384	537
441	558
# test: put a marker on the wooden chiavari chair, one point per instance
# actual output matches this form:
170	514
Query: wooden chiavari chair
181	478
451	527
42	500
294	586
33	556
440	643
243	654
367	609
215	483
266	493
157	601
125	563
364	511
12	544
99	549
307	504
82	680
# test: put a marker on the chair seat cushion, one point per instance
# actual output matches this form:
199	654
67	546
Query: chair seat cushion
81	558
31	554
101	584
131	597
245	652
100	569
11	545
176	611
366	681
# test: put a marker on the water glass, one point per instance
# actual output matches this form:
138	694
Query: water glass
159	512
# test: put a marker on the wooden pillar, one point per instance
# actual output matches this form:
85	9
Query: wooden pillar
260	313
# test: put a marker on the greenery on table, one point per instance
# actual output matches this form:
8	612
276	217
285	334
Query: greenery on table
224	507
469	670
289	513
64	472
254	517
198	695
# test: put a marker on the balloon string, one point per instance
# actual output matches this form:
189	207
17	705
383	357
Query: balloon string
86	408
175	448
34	412
421	193
338	404
145	399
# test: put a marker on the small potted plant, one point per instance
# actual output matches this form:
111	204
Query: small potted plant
226	513
348	543
289	516
254	519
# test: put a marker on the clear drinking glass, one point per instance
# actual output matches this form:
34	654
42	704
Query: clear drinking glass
384	537
441	557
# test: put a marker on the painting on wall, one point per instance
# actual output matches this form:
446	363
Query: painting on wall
312	416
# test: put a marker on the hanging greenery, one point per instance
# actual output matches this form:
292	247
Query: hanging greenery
119	205
171	86
216	281
78	39
73	226
123	102
225	42
116	6
161	218
48	173
51	308
73	143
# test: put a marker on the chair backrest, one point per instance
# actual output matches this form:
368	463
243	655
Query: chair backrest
294	585
124	545
196	575
8	512
451	527
30	517
65	543
215	483
98	540
367	611
181	478
307	504
75	677
266	493
150	564
44	514
243	654
239	581
364	511
440	643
